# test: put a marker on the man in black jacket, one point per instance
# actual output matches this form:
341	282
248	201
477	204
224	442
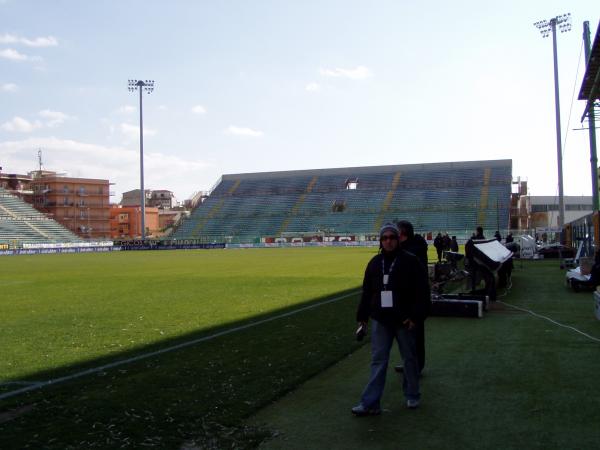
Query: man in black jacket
416	245
396	296
411	242
438	243
472	265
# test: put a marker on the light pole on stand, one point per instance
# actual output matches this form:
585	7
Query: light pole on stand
142	86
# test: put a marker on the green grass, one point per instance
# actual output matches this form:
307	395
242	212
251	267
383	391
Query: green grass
507	381
66	309
63	313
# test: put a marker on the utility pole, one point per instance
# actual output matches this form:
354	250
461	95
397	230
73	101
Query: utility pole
591	122
546	27
148	87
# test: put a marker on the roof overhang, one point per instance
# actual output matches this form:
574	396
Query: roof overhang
590	87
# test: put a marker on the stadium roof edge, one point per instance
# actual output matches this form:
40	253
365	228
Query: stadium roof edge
589	86
351	171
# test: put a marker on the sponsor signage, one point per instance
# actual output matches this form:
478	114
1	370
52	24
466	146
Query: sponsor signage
50	251
183	244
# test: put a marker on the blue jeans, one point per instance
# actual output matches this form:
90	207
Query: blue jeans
382	338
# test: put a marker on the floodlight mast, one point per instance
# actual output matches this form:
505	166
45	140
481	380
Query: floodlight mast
142	86
592	123
546	27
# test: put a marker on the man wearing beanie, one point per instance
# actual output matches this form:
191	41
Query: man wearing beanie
395	295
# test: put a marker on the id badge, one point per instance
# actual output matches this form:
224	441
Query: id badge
387	300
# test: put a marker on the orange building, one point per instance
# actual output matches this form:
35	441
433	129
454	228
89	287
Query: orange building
168	218
80	204
125	222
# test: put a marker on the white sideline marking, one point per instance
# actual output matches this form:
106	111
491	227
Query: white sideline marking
552	321
42	384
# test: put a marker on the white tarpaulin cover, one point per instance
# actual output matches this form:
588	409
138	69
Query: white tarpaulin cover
576	273
494	250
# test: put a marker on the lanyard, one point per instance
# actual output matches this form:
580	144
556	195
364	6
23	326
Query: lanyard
386	276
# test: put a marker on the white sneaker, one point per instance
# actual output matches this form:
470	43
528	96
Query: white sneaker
412	404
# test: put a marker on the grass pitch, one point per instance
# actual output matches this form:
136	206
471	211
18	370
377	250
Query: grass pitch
64	310
506	381
66	313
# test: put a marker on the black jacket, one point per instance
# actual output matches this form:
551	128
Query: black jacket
595	275
454	245
409	284
417	245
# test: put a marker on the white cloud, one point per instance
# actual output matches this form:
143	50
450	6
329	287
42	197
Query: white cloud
126	109
162	107
13	55
133	131
48	41
51	119
243	131
44	41
118	164
199	109
357	73
313	87
54	118
20	125
9	87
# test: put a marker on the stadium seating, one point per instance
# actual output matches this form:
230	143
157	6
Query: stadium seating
453	197
21	222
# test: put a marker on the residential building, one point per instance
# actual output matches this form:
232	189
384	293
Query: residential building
125	221
159	199
16	184
132	198
80	204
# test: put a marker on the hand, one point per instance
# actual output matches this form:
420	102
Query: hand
409	324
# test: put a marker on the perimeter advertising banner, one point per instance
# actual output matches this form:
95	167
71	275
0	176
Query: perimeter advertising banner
184	244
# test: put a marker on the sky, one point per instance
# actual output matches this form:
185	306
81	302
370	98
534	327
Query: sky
252	86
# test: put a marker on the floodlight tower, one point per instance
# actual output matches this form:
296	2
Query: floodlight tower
546	27
591	121
142	86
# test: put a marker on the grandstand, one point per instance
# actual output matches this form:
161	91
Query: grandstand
21	223
454	197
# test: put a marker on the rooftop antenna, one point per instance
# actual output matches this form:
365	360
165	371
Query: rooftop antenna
40	159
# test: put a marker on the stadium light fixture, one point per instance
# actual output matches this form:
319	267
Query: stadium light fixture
141	86
547	27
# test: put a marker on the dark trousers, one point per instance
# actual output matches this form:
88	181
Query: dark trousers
420	342
472	268
581	285
439	253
